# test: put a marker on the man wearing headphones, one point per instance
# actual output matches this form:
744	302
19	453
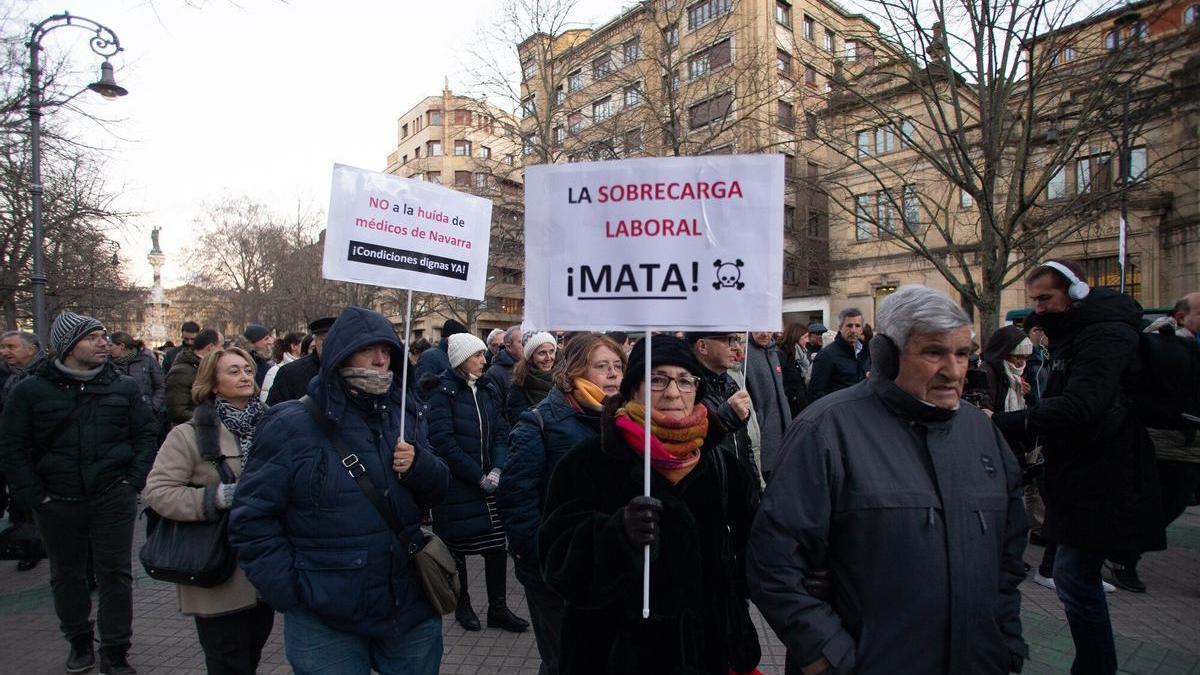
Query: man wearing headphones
1101	487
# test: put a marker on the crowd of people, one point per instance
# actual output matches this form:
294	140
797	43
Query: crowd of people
870	489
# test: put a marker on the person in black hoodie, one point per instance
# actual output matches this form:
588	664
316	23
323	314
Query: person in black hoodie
291	381
1101	482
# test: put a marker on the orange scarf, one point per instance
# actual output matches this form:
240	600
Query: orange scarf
674	443
588	394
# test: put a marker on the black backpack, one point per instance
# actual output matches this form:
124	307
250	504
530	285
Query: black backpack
1165	387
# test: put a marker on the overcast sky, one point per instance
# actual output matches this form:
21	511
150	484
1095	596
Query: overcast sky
258	97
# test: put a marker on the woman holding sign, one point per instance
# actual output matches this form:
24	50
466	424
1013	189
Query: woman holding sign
468	431
597	521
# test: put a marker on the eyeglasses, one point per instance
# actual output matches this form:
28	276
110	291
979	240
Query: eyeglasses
731	341
608	367
685	383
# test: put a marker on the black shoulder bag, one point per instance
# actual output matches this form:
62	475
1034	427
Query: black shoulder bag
741	638
193	553
435	566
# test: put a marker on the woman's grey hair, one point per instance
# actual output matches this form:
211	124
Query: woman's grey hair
917	309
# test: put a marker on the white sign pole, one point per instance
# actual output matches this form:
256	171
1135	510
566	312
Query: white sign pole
746	361
646	479
404	372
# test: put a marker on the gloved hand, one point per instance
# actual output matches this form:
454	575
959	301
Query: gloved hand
225	495
490	481
640	519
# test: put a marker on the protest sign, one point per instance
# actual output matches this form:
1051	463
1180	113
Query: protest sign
402	233
673	243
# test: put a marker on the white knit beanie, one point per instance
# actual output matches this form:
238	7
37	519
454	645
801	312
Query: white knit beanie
537	340
462	346
1023	348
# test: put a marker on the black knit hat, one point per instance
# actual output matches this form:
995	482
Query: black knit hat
452	327
322	325
255	332
664	350
68	329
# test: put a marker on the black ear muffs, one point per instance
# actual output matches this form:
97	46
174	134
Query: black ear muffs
885	357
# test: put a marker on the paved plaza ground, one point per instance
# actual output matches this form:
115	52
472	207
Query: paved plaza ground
1158	632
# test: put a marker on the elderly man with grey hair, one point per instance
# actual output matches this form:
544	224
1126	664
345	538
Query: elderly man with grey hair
890	537
499	372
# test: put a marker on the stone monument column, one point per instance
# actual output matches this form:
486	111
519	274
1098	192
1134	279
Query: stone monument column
155	330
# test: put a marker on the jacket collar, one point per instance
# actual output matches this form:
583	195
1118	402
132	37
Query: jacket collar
48	370
906	406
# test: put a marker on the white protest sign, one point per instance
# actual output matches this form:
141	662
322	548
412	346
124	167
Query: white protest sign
672	243
402	233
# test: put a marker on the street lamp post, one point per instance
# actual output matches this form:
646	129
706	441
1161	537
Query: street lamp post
104	42
1127	21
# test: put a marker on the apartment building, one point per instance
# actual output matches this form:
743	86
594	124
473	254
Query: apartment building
464	143
673	78
1114	130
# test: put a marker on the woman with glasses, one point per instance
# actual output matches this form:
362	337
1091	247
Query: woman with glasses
597	521
589	371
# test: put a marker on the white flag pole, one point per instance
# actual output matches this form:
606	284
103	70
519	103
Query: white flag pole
1122	236
404	371
746	361
646	479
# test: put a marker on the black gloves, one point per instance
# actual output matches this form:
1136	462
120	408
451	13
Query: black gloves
640	519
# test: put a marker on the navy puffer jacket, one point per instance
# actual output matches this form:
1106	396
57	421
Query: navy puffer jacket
306	535
534	450
467	430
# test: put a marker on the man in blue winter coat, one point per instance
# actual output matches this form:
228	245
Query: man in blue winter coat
308	536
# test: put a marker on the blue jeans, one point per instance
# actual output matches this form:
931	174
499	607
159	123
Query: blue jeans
312	647
1077	580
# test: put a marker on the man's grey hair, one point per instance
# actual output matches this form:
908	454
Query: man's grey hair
511	334
29	339
494	332
1182	306
847	313
917	309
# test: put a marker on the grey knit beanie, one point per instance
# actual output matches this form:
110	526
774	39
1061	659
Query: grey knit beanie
68	329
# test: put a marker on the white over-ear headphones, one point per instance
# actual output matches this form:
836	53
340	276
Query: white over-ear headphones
1078	290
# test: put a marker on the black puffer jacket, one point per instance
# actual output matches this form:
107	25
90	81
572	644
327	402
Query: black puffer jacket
735	438
144	370
291	382
469	433
48	451
1101	483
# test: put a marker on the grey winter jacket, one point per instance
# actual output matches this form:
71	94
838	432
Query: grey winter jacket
916	513
764	381
151	381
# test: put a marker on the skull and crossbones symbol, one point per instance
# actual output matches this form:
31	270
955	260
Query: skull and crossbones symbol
729	274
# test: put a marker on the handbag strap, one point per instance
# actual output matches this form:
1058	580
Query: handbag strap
355	468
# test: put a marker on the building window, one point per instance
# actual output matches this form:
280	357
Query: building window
462	179
575	80
1137	165
789	219
783	62
404	131
862	217
1106	273
404	160
671	36
864	143
1137	31
417	152
789	167
462	118
1065	55
559	95
602	66
633	95
434	148
575	122
528	146
434	177
708	60
830	41
528	68
462	148
560	135
481	181
602	109
1092	172
1057	187
512	306
485	152
528	107
908	132
810	28
1191	15
706	10
714	109
885	140
814	223
886	216
632	50
510	159
851	51
633	141
912	209
810	76
785	115
1111	40
810	125
435	117
783	13
965	200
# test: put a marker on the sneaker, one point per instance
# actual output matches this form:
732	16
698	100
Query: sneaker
1040	580
1125	577
115	663
83	655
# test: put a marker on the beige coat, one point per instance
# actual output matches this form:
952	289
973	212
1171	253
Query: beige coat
170	492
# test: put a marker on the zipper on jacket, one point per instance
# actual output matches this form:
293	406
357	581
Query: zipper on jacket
479	418
929	517
982	521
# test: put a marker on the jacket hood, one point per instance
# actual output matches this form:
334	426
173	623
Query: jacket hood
1102	305
354	329
1001	344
